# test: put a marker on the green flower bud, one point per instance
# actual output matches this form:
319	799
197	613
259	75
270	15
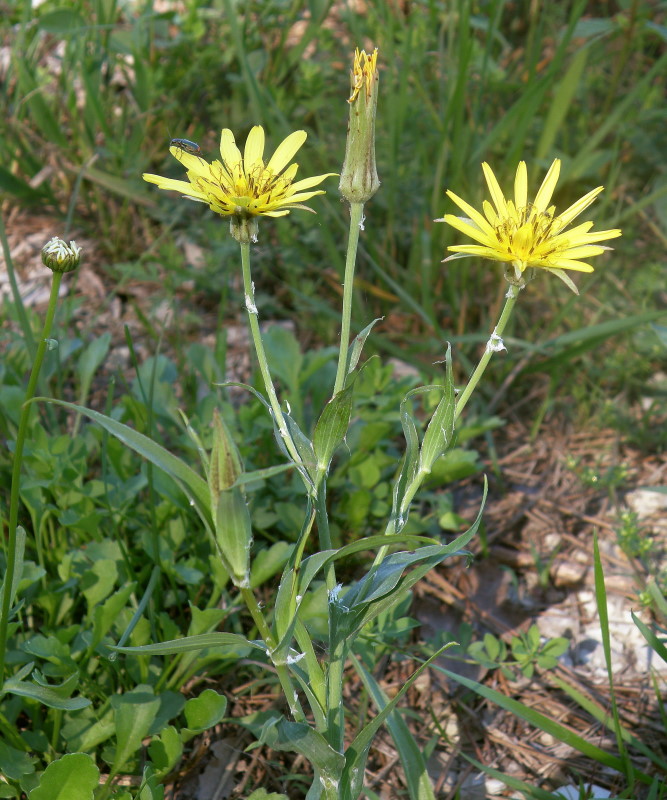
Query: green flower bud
59	256
358	178
231	518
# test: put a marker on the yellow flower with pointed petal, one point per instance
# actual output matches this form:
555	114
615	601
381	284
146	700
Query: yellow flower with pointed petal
242	186
527	234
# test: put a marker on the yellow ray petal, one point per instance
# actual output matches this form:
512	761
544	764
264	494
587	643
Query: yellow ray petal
286	151
254	149
546	190
521	185
228	150
494	188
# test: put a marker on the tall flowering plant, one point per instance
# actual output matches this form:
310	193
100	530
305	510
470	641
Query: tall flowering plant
526	237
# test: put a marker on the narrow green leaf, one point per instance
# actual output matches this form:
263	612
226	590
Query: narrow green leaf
357	753
555	729
561	103
193	485
358	344
72	777
412	759
12	184
105	615
656	645
45	695
530	791
410	462
440	431
331	428
90	359
61	21
188	643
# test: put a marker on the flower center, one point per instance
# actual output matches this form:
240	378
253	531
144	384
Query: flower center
524	233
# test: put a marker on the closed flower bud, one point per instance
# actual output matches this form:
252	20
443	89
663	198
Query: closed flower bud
359	179
59	256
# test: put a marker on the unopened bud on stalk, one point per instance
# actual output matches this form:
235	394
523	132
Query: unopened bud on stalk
59	256
359	179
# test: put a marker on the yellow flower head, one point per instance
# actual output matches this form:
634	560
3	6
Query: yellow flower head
527	234
243	186
363	72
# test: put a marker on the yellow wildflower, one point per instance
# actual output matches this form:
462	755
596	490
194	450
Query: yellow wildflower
243	186
527	234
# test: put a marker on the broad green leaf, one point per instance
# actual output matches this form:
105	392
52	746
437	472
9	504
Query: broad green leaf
296	737
72	777
193	485
205	711
151	789
268	562
284	355
97	583
106	614
165	750
134	713
13	763
414	766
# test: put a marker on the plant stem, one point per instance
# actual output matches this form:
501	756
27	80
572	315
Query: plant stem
356	218
281	669
491	348
24	419
249	290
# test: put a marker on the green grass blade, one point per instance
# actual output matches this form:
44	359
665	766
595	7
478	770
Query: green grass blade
601	602
193	485
419	783
545	724
201	641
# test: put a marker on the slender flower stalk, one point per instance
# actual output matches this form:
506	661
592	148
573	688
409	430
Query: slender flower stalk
494	345
358	180
356	219
251	308
60	258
